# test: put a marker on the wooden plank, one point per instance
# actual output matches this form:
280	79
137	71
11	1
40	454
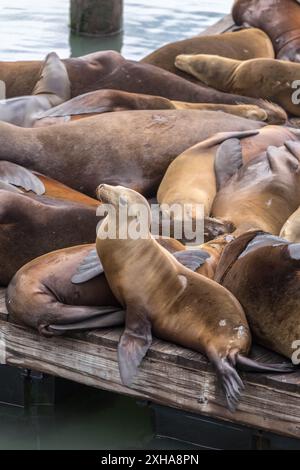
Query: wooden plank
169	375
224	25
3	310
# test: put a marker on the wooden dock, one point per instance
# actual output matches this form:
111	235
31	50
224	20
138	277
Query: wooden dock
169	375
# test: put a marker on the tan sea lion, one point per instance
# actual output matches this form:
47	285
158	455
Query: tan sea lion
52	89
280	19
67	289
262	271
134	148
269	79
240	45
31	227
175	304
109	70
105	101
262	194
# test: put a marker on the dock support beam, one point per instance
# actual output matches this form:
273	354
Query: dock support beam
96	17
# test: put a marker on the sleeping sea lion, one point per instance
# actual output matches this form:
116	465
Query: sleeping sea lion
52	89
263	272
240	45
280	19
269	79
263	193
109	70
174	303
105	101
31	227
130	147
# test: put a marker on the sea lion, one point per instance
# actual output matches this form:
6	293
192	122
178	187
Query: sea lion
105	101
190	179
175	304
240	45
263	193
52	89
280	19
109	70
67	289
262	271
130	147
18	179
269	79
41	293
31	227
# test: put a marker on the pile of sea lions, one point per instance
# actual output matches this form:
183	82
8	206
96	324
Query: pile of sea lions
206	121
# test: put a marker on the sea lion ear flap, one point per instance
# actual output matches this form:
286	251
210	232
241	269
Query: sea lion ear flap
90	267
228	161
134	344
192	259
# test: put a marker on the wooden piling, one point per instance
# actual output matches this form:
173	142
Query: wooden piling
96	17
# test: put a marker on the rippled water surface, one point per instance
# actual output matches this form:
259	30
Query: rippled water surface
29	29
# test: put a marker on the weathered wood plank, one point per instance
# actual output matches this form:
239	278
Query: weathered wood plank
92	360
222	26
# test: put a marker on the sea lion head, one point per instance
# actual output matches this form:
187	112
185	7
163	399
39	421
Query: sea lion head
203	67
133	205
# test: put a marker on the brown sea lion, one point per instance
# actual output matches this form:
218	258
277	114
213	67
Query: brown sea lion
262	194
31	227
269	79
105	101
42	293
109	70
280	19
52	89
263	272
175	304
134	148
241	45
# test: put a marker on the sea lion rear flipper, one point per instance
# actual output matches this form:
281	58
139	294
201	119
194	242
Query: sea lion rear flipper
192	259
90	268
229	378
264	367
229	159
16	175
134	344
76	318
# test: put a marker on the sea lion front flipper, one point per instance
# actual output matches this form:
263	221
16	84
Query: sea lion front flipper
90	268
294	148
134	343
16	175
192	259
228	161
106	317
